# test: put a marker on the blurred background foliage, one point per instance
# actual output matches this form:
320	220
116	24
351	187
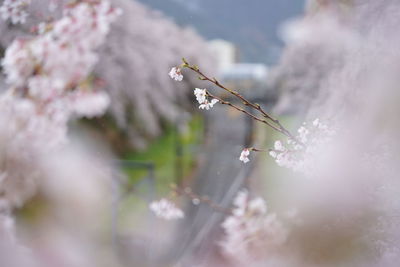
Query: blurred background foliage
155	131
153	119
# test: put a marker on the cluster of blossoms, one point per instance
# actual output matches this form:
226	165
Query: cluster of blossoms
165	209
50	73
297	154
201	94
49	83
14	10
250	229
201	97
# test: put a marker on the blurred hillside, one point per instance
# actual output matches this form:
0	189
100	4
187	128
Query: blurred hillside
251	25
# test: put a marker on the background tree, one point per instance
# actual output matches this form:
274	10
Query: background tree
134	64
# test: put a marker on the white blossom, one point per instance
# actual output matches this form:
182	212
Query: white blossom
208	104
176	74
165	209
244	155
201	95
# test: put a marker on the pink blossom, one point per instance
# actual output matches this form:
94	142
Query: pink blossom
201	95
48	85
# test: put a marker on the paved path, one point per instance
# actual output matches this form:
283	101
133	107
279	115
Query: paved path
221	175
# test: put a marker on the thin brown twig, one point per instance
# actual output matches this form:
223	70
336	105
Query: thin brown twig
202	199
259	150
279	127
221	101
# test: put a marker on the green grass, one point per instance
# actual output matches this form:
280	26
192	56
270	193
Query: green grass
162	153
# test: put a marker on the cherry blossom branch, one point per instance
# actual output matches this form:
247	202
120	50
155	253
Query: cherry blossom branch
244	155
224	102
279	127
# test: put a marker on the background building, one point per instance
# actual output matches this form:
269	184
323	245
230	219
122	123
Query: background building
224	52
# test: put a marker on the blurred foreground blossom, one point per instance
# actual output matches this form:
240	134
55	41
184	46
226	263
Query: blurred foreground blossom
250	232
299	155
50	83
48	78
165	209
176	74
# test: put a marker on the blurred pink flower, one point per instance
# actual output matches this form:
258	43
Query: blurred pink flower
165	209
